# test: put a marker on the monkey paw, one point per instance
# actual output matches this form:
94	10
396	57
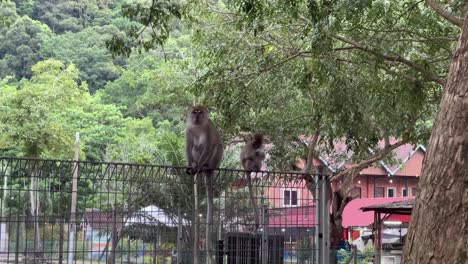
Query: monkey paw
189	171
193	171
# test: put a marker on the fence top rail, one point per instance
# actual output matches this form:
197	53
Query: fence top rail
225	170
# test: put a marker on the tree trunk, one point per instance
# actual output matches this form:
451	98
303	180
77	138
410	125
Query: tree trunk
439	226
336	220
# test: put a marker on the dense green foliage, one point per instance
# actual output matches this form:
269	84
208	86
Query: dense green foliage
364	70
304	66
58	77
123	73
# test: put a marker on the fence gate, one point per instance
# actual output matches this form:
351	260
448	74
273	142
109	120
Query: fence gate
61	211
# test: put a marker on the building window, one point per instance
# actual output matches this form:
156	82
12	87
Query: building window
404	192
290	197
356	193
290	235
290	239
414	191
391	192
379	192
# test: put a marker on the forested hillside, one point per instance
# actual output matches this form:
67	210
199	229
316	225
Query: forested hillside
58	77
123	73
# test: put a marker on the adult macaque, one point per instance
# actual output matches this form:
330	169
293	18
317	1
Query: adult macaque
251	157
204	150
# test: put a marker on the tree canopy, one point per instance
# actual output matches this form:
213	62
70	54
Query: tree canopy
305	73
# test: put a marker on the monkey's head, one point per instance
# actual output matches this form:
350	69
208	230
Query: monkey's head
198	116
257	140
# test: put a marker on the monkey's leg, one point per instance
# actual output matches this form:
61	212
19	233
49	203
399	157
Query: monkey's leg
209	217
252	200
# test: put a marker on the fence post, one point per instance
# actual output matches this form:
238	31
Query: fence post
265	231
195	221
114	235
323	212
62	221
179	236
17	238
325	218
318	208
71	236
355	254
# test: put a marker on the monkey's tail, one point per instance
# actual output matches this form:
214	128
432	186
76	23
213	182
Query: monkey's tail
253	201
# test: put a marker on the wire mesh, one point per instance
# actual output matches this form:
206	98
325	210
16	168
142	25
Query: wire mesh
57	211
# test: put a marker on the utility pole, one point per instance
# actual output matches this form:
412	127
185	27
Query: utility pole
72	233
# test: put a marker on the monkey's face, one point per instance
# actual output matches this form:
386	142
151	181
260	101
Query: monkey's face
198	116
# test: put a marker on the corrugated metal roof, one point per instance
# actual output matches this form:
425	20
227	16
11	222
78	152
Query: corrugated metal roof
405	204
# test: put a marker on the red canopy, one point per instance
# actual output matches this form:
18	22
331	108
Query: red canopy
354	216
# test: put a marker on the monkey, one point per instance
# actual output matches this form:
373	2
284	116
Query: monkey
253	154
204	148
204	151
251	157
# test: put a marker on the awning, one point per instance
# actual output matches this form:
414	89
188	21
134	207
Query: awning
301	216
354	216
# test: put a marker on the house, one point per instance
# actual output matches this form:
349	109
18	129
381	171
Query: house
396	179
399	179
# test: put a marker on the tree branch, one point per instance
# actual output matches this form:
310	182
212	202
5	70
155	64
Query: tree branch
345	48
293	56
449	17
400	59
312	154
391	72
359	166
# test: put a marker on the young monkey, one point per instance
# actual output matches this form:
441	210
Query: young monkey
252	156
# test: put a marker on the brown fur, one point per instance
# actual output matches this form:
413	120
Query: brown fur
253	154
204	148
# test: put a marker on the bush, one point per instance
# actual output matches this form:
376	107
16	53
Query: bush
304	250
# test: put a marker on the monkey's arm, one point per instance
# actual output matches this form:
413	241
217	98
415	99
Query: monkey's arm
188	151
204	157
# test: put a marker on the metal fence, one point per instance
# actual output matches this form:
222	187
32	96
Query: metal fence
56	211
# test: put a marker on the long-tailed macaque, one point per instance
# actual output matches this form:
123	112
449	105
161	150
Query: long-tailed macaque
204	150
252	156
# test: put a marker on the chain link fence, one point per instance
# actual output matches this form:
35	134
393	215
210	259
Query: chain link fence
56	211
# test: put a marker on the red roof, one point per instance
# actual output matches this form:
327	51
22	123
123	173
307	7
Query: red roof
404	163
354	216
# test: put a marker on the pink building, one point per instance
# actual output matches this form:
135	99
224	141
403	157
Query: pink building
391	180
292	206
384	179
